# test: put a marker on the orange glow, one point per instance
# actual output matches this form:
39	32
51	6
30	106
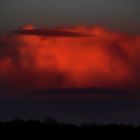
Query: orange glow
107	59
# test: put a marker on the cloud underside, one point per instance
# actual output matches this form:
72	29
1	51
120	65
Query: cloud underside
77	57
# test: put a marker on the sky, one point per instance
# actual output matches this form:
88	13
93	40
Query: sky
73	60
118	15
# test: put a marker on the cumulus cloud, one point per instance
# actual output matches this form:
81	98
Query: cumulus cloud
69	57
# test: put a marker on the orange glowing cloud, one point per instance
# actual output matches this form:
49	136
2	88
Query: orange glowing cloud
69	57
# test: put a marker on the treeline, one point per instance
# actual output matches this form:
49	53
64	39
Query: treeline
52	122
50	127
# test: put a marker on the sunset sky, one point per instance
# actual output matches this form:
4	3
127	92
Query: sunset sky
75	60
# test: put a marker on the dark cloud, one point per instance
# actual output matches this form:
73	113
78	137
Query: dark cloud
51	33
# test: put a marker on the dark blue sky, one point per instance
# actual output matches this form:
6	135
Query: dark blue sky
102	108
117	14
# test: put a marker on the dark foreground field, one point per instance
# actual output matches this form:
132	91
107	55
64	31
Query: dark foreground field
52	128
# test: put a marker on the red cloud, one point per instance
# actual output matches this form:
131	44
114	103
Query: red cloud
69	57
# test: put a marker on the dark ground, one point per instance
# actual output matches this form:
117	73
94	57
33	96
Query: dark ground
50	128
